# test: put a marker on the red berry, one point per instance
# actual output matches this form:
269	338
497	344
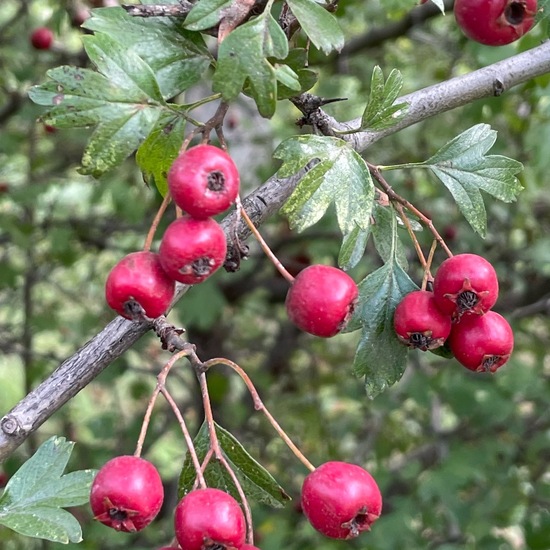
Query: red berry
419	323
482	343
465	283
138	285
495	22
321	300
340	500
209	519
203	181
191	250
127	493
42	38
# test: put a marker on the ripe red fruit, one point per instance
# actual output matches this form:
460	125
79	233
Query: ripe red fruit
419	323
495	22
465	284
138	284
191	250
482	343
209	519
321	300
42	38
340	499
127	493
203	181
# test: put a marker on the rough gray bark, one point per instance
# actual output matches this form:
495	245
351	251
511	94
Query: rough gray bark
79	370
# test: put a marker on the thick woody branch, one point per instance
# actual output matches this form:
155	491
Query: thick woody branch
78	371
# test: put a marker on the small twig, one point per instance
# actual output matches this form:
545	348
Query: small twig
427	273
409	206
159	10
156	221
265	247
259	406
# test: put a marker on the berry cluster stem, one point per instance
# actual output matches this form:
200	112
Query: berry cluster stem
218	454
395	198
161	388
259	406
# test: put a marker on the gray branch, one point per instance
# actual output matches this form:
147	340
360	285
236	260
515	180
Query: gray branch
79	370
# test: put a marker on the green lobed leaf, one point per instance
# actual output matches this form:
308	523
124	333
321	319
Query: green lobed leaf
177	57
255	480
340	176
385	241
297	61
206	14
117	102
243	59
353	248
124	68
33	500
464	168
380	111
157	153
321	27
380	357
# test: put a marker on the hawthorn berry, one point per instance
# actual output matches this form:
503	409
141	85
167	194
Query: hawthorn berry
419	323
209	519
465	283
191	250
203	181
138	285
495	22
340	499
482	343
321	300
42	38
127	493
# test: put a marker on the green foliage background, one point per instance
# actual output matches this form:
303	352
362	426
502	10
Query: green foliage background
461	459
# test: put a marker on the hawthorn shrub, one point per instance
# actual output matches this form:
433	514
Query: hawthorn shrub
307	218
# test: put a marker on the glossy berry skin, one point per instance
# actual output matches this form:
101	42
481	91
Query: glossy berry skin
42	38
495	22
203	181
465	284
191	250
127	493
340	500
321	300
138	284
482	343
419	323
209	519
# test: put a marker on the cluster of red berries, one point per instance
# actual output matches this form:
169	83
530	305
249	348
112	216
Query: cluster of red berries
458	312
203	182
339	499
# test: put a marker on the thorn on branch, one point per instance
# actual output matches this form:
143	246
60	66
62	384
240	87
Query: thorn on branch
310	105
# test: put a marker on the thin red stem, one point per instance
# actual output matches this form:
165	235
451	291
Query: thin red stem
259	406
268	252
